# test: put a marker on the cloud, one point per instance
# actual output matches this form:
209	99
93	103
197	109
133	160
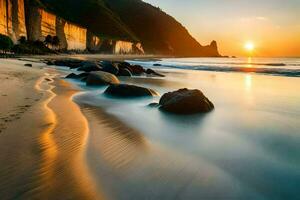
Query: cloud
257	18
261	18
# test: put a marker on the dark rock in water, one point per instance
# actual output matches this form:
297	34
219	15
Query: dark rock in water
124	72
82	75
84	79
68	63
152	72
185	101
28	65
154	105
89	67
127	91
136	69
109	67
156	64
50	62
72	75
75	76
123	64
101	78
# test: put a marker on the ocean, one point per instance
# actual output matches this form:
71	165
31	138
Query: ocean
247	148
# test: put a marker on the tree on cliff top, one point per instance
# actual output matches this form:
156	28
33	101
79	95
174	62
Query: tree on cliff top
48	40
6	43
55	41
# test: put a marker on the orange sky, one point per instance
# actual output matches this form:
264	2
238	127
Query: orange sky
272	25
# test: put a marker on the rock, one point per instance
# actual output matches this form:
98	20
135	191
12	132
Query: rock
101	78
152	72
153	105
156	64
127	91
124	72
28	65
82	75
88	66
185	101
123	64
68	63
72	75
109	67
136	69
77	76
50	62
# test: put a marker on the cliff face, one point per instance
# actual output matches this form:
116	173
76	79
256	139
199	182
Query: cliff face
96	44
110	26
12	18
75	36
40	23
3	14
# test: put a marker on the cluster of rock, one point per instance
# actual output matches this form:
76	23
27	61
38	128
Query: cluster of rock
106	73
115	68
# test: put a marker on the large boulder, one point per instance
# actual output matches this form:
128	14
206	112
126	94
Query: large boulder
185	101
109	67
127	91
89	67
101	78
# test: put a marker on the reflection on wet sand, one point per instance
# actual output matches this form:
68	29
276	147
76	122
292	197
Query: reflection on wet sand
120	144
132	167
63	169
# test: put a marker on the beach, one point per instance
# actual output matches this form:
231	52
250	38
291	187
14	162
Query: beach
61	139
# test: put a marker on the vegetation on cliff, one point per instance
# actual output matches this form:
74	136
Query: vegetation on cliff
6	43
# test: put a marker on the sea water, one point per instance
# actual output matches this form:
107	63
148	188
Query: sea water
248	147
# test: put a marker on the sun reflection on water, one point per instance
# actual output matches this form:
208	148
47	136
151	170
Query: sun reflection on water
249	62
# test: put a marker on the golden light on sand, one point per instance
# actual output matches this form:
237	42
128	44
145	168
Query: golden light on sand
249	46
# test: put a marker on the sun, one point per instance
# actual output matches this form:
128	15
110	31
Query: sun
249	46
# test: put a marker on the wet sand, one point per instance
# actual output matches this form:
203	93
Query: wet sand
43	137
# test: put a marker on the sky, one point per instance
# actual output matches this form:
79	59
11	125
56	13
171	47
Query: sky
273	26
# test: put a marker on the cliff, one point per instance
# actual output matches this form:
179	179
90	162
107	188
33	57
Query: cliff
159	32
134	21
107	26
12	18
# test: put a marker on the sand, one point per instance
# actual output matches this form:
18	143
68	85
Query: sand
43	135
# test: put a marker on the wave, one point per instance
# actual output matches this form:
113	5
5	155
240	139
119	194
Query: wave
274	64
247	63
270	71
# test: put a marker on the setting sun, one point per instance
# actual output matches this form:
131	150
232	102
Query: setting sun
249	46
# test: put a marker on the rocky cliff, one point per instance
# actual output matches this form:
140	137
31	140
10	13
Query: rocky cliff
40	23
114	26
134	21
12	18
